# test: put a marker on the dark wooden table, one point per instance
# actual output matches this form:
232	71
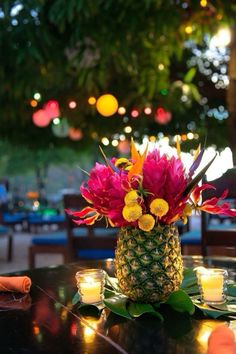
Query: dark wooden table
45	322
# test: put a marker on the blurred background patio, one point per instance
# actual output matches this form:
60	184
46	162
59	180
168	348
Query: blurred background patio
169	66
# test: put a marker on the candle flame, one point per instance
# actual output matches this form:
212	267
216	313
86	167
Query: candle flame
89	280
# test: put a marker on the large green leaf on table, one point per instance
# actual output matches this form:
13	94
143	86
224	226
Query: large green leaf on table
118	305
90	310
189	283
112	283
214	312
109	293
138	309
181	302
231	290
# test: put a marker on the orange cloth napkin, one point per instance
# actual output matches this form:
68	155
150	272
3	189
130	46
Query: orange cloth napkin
221	341
20	284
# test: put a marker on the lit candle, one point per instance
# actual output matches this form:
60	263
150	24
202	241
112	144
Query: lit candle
90	284
212	284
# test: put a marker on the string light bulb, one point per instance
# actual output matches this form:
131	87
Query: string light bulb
121	110
33	103
188	29
91	100
134	113
37	96
147	110
72	104
203	3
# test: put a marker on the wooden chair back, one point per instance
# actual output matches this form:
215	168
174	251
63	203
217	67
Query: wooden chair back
222	232
94	237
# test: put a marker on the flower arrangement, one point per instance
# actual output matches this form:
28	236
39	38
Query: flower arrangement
146	190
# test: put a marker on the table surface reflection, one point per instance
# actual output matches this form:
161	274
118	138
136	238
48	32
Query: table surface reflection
46	322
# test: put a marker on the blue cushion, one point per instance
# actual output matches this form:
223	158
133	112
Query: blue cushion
191	238
224	227
45	218
14	218
104	231
80	232
54	238
99	231
95	254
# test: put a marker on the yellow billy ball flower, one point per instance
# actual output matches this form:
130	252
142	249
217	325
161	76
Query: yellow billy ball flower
123	163
159	207
132	212
146	222
131	197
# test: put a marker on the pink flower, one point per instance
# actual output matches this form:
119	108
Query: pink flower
165	178
161	186
211	206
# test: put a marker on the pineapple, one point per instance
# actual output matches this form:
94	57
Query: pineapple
148	265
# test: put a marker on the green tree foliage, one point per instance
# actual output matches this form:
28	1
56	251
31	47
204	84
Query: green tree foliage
71	49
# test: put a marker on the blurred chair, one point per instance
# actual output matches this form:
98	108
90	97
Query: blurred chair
219	232
191	242
6	232
51	242
37	221
14	219
88	242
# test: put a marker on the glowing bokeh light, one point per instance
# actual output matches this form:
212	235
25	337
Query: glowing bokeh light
134	113
147	110
105	141
33	103
72	104
190	136
92	100
40	118
121	110
107	105
221	39
61	130
124	147
56	121
115	142
52	109
128	129
203	3
188	29
75	134
162	116
37	96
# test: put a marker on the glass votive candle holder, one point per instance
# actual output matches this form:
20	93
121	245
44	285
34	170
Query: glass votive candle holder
212	285
90	283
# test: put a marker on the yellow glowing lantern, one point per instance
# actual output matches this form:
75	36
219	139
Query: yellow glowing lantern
107	105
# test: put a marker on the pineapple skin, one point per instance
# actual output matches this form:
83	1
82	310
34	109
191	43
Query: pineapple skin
148	265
